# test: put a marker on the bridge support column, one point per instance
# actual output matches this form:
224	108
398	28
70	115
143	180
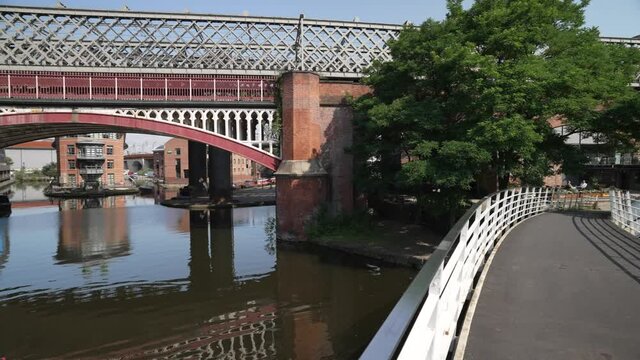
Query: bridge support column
220	177
197	169
302	182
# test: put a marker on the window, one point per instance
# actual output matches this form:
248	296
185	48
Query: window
72	164
177	151
71	149
111	179
109	164
109	149
99	151
72	180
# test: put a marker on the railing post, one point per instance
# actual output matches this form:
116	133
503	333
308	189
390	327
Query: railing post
627	201
64	87
141	88
37	88
215	92
614	207
261	90
90	88
238	89
9	84
116	88
190	90
166	90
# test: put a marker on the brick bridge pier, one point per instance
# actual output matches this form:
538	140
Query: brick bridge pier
316	169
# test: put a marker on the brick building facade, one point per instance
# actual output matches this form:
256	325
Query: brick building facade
171	164
91	160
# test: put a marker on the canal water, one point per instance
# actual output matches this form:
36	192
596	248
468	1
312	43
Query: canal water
123	277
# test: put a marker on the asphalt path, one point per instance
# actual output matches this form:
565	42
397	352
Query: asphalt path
561	286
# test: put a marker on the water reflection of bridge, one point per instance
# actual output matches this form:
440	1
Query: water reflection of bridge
220	309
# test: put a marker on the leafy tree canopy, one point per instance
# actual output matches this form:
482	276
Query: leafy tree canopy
473	94
50	170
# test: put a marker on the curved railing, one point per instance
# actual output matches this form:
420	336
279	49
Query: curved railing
424	322
625	211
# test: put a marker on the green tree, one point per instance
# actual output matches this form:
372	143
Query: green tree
471	95
50	170
8	161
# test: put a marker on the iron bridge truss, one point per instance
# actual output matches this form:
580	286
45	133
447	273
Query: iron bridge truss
117	41
47	39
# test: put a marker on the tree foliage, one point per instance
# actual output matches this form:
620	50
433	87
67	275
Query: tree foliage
472	94
50	170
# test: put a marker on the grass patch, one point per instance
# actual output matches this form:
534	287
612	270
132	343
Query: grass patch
349	226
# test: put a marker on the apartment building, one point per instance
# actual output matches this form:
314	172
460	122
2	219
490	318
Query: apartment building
91	160
171	164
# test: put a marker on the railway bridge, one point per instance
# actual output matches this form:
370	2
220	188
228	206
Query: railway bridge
271	89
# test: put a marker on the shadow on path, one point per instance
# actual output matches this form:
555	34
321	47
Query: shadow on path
561	286
619	247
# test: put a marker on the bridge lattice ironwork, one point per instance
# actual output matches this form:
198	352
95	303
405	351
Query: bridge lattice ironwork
142	42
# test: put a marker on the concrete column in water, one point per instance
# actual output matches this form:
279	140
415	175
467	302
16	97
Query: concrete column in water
302	183
220	177
197	169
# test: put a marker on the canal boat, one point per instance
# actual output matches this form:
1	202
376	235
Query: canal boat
5	206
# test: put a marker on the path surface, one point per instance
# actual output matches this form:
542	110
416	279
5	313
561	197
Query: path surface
561	286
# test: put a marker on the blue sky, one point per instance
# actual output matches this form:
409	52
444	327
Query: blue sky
612	17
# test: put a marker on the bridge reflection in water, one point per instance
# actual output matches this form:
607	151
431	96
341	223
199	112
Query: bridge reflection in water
148	282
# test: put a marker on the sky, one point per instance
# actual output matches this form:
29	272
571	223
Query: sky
612	17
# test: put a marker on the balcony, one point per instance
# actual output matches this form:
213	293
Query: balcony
88	141
617	160
91	170
89	156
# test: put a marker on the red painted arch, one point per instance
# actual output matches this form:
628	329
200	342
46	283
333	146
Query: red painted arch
159	127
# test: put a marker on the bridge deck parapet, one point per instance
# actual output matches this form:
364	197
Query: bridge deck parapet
70	87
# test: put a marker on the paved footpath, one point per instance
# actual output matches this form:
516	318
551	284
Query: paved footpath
561	286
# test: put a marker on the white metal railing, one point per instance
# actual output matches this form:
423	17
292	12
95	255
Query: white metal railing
579	200
625	211
423	323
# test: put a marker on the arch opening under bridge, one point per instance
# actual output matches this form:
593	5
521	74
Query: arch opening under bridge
244	132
